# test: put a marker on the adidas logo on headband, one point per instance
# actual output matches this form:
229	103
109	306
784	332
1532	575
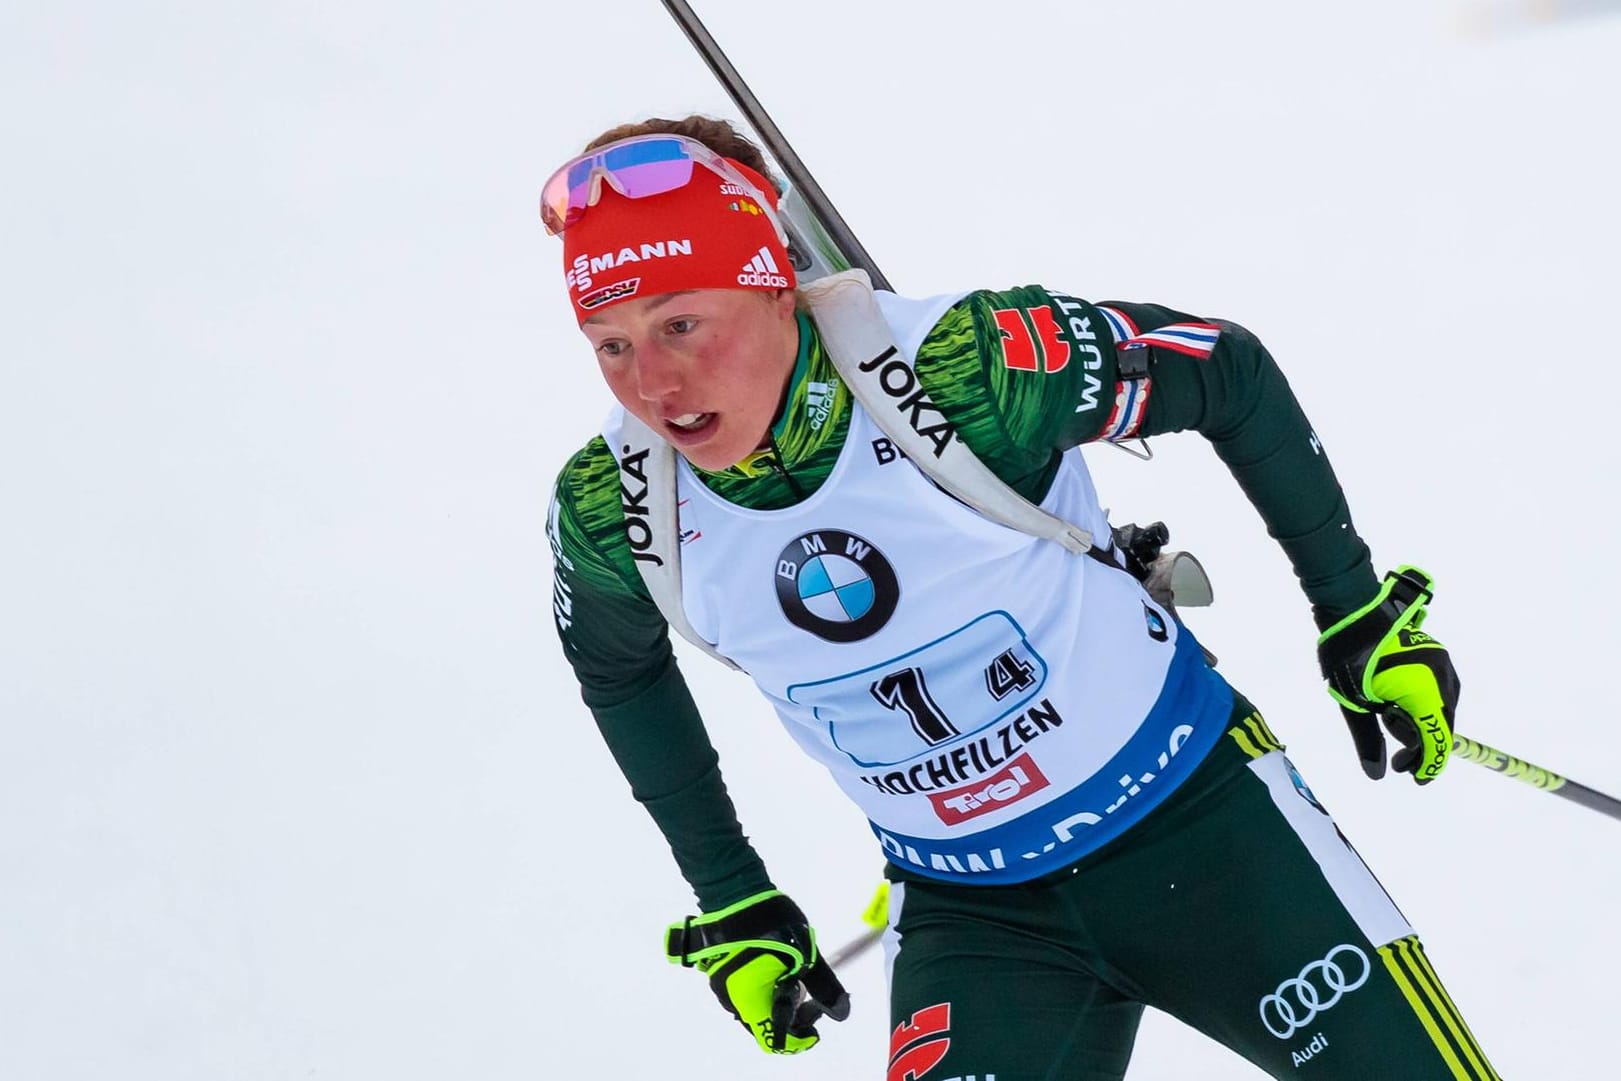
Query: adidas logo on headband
762	271
611	256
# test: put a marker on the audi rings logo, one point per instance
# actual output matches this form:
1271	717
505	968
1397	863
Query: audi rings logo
1318	988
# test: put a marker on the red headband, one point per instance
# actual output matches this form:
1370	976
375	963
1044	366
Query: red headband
707	235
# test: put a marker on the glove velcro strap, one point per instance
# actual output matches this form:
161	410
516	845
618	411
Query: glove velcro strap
1347	649
1410	588
767	919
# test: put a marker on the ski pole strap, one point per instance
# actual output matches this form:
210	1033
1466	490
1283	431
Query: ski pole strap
1536	776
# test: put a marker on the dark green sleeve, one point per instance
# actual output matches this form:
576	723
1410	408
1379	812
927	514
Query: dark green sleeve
1028	373
1238	398
619	647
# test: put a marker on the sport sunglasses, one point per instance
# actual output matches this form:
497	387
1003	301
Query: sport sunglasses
638	167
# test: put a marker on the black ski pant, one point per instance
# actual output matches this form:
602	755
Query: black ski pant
1237	906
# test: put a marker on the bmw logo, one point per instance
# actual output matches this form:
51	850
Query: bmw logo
1302	788
1156	625
836	585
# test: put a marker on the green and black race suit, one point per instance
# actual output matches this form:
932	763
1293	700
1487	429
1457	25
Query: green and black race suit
992	365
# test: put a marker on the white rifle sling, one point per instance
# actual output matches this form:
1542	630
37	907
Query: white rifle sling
863	350
660	563
856	337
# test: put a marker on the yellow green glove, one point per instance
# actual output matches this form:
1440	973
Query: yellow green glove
762	962
1379	664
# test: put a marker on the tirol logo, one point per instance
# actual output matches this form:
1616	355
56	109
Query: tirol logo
918	1044
762	270
1018	780
836	585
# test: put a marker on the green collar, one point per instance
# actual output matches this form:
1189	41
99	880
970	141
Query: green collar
812	400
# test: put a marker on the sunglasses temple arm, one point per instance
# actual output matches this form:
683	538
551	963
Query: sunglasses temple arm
820	206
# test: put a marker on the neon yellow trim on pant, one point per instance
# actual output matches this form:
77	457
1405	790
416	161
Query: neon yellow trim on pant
1419	984
1254	737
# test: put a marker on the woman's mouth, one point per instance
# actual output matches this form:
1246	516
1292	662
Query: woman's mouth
689	427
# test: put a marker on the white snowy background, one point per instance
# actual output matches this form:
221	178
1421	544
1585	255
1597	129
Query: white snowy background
294	781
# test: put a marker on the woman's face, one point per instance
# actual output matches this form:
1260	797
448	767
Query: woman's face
703	368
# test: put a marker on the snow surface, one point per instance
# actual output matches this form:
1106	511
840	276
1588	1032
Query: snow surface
294	782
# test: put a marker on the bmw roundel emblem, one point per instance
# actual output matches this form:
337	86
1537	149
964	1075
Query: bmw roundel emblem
836	585
1156	624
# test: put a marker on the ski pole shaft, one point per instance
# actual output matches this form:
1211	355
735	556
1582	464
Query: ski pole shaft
855	947
876	918
798	175
1535	776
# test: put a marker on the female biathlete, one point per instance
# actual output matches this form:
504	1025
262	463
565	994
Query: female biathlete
1080	817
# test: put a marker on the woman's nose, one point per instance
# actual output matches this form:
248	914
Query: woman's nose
658	372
